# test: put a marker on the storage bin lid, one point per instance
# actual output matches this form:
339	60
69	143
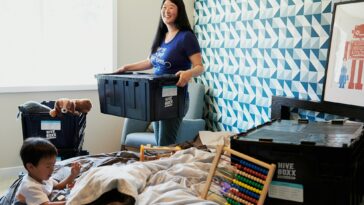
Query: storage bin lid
312	133
136	75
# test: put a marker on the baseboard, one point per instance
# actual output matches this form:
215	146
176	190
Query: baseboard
11	171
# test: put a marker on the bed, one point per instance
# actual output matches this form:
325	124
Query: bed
120	178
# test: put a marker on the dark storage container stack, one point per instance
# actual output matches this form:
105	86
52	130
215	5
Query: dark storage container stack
66	132
141	96
317	162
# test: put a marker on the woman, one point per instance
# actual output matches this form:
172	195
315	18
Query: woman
175	50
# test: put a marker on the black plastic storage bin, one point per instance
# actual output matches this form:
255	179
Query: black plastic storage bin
317	162
141	96
65	132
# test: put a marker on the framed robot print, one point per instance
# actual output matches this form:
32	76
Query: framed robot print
345	70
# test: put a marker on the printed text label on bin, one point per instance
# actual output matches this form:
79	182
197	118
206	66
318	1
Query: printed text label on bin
168	102
286	191
50	125
51	134
168	91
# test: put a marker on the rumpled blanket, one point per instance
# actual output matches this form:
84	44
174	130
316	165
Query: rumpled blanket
178	179
62	170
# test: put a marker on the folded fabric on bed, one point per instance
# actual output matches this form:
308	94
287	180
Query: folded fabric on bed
175	180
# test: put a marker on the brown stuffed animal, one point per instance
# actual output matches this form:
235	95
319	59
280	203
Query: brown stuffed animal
74	106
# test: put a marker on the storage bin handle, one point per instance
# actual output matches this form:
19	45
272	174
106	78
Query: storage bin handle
136	84
167	82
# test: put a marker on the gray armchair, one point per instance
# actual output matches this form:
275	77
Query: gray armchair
135	131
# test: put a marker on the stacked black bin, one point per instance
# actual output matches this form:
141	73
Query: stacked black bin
318	162
66	132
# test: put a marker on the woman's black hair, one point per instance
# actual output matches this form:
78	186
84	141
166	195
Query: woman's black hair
181	23
36	148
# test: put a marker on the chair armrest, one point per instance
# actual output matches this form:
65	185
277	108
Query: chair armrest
189	128
132	126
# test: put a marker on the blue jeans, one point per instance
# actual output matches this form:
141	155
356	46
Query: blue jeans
165	131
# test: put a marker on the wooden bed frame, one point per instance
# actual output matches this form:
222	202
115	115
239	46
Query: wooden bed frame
281	108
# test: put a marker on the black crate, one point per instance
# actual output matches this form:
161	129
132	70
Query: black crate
69	153
141	96
66	132
317	163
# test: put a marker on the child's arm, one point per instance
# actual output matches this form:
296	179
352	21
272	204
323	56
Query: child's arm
75	170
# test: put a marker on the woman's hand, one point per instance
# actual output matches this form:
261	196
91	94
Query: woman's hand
122	69
184	77
138	66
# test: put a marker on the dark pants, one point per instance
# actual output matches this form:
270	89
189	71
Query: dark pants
165	131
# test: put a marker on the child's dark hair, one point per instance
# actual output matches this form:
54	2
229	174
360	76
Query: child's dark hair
36	148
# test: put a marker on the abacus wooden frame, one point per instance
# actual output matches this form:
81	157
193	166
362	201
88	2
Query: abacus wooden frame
219	151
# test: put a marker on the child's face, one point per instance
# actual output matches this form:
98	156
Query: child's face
44	169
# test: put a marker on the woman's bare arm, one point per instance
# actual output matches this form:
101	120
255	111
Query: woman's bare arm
141	65
196	70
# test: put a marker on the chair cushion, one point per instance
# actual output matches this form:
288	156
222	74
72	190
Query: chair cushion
138	138
196	102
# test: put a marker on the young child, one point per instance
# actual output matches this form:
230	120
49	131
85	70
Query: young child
39	157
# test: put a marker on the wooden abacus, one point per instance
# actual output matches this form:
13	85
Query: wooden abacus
244	182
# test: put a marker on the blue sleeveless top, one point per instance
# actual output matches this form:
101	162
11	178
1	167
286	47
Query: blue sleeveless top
173	56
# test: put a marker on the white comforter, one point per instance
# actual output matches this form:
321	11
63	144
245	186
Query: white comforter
175	180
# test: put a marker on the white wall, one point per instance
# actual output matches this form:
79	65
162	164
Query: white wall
137	21
101	134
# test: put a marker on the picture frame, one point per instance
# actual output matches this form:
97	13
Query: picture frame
345	63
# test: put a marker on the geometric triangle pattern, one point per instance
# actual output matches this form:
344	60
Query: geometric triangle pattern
254	49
